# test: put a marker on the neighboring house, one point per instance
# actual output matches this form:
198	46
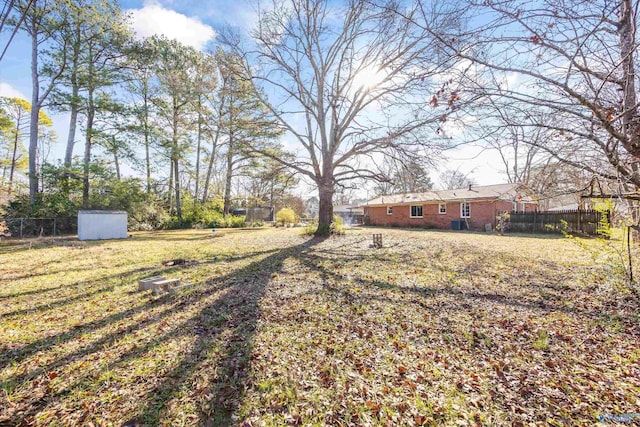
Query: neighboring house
350	214
472	207
562	202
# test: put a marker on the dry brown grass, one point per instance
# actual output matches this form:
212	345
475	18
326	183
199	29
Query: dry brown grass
436	328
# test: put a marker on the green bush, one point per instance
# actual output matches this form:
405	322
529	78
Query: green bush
113	194
176	224
230	221
202	214
310	229
149	216
47	206
285	216
236	221
337	226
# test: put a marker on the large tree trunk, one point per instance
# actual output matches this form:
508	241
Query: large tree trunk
73	120
325	215
146	135
195	196
116	160
214	148
87	152
212	159
33	125
229	176
177	185
75	90
170	192
68	155
175	156
630	121
13	162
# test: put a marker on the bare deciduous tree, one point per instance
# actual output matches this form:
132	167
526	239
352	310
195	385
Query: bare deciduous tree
453	179
571	65
349	84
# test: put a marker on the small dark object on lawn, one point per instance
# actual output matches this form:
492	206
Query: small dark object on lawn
377	240
176	261
213	230
132	423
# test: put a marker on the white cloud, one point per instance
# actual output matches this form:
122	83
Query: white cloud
153	19
11	92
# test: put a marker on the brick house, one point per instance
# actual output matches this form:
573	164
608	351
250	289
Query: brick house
471	207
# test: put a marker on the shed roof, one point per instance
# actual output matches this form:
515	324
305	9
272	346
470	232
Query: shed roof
507	192
101	212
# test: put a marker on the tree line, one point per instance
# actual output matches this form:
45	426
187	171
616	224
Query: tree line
336	94
187	121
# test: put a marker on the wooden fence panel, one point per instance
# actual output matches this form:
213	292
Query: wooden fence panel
584	222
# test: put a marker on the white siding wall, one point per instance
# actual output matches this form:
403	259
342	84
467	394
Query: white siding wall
99	225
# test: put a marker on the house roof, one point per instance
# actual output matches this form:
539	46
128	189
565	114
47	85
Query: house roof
507	192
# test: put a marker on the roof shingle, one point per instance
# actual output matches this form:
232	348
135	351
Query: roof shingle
508	192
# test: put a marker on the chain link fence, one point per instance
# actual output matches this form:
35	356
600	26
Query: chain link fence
38	227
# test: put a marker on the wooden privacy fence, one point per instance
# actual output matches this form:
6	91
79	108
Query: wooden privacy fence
586	222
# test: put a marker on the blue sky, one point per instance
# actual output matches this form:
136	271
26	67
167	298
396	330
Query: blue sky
196	23
192	22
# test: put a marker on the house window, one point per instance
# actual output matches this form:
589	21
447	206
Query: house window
465	210
522	204
416	211
389	210
442	208
514	207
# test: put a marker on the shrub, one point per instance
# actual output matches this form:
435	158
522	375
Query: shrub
175	224
234	221
337	226
285	216
605	207
229	221
149	216
196	212
502	224
47	205
217	220
309	229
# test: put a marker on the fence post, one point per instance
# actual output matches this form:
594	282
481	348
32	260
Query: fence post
579	220
21	221
54	227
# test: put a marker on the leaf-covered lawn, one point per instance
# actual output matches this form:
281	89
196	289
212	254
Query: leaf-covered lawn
436	328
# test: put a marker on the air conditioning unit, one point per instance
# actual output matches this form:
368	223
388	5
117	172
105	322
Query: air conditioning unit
458	224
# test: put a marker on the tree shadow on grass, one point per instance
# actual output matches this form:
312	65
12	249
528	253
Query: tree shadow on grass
222	332
128	277
235	315
8	356
552	302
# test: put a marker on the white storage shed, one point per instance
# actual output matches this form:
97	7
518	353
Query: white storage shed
101	225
